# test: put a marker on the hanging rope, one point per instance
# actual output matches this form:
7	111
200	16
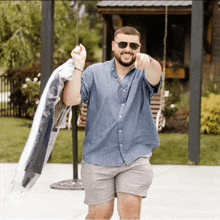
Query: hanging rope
77	25
164	54
165	40
162	96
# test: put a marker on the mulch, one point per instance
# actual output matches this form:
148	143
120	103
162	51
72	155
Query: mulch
176	125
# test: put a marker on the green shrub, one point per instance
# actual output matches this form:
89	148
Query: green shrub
31	91
175	88
211	79
210	121
17	76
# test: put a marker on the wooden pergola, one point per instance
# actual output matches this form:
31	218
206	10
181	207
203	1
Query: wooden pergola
197	29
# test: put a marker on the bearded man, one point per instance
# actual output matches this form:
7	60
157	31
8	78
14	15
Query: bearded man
120	130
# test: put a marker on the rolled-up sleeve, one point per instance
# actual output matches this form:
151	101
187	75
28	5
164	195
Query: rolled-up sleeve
154	90
86	83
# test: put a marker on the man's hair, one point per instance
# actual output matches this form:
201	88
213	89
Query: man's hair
127	30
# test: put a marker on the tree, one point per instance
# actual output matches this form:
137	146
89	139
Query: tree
20	27
20	30
72	28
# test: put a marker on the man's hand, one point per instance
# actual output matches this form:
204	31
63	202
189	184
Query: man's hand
142	61
151	66
79	56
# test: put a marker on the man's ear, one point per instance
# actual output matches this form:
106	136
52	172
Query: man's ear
113	45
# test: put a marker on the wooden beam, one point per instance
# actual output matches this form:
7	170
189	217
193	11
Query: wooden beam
108	37
110	28
47	32
144	11
196	80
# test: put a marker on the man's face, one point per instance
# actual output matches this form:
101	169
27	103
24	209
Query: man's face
125	56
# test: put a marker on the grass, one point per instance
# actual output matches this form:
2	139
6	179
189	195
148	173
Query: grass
14	134
63	150
173	150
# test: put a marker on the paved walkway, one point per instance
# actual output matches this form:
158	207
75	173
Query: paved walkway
177	192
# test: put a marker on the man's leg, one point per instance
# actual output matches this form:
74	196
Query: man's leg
131	186
103	211
99	186
129	206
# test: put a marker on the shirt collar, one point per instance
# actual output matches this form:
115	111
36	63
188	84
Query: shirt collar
113	70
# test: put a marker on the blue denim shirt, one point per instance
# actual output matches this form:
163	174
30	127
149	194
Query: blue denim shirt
120	126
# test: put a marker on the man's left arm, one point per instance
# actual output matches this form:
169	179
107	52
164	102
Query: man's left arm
151	66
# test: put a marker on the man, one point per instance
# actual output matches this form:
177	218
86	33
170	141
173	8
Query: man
120	131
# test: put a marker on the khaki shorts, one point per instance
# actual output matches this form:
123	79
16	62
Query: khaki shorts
101	184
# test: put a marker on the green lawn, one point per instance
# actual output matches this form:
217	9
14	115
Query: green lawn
173	150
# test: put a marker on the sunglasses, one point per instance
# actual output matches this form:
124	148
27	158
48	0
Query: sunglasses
123	44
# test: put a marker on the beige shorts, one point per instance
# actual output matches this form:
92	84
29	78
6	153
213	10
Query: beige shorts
101	184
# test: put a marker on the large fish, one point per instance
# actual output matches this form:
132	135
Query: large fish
50	116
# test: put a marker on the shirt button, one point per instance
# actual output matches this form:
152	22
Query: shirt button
119	116
121	145
122	104
124	90
119	131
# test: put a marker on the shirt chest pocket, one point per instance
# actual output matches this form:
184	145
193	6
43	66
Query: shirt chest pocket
104	93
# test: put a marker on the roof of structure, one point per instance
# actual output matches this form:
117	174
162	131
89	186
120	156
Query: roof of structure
144	3
144	6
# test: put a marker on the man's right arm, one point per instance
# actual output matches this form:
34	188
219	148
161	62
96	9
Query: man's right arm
72	89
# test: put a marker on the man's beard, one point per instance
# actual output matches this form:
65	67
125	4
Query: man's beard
126	64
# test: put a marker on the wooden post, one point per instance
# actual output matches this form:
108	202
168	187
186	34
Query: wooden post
47	32
104	50
108	37
196	80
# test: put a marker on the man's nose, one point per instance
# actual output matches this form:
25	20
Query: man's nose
128	47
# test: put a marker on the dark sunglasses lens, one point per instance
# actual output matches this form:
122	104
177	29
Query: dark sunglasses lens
134	46
122	44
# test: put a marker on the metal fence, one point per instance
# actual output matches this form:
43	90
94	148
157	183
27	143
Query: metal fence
6	107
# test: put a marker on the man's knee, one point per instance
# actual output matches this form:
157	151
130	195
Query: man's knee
129	206
100	214
103	211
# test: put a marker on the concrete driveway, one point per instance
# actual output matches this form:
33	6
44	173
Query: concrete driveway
177	192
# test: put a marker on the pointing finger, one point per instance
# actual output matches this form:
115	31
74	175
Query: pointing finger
137	59
138	56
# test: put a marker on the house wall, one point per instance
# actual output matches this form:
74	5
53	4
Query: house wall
187	47
216	33
152	29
